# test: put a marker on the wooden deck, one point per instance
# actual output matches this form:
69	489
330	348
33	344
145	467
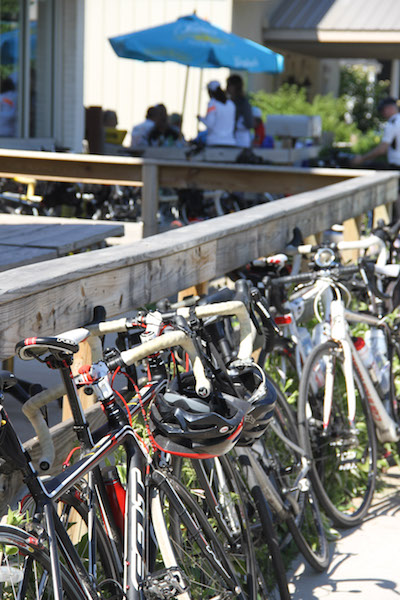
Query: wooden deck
27	239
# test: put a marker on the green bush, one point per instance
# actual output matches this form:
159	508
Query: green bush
362	94
291	100
366	142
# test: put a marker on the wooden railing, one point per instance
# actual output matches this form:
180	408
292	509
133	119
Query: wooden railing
57	295
153	174
54	296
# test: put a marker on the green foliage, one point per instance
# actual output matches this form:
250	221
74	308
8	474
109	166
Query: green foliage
291	100
366	142
362	93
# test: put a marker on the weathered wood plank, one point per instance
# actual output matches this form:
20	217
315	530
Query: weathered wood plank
250	178
14	256
63	238
87	168
52	297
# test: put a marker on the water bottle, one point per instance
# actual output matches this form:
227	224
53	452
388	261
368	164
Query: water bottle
319	335
305	340
318	370
367	358
376	340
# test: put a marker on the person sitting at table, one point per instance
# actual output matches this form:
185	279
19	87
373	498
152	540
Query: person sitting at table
140	133
163	134
220	117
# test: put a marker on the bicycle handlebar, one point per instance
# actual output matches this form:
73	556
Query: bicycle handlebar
114	326
311	276
31	410
164	342
224	309
361	244
32	407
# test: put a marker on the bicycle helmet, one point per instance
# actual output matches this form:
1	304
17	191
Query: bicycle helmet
189	426
260	394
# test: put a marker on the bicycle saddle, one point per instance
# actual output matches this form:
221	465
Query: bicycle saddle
67	342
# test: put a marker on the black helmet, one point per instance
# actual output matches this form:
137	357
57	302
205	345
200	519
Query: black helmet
189	426
260	393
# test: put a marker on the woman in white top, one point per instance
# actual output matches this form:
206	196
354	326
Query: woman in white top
220	117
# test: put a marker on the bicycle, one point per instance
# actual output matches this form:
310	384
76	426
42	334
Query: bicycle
273	464
214	483
340	409
149	491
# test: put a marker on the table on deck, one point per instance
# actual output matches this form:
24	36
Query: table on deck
28	239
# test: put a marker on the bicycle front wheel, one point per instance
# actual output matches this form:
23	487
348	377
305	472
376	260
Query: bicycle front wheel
344	453
282	459
25	569
205	568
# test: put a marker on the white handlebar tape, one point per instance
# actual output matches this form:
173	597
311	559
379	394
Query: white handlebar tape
164	342
114	326
31	410
224	309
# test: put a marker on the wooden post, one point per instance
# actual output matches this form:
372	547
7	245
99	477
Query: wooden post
195	290
89	352
94	129
384	212
150	199
351	232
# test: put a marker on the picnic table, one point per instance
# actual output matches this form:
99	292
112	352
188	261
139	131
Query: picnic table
28	239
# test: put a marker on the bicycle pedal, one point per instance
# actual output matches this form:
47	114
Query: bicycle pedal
168	583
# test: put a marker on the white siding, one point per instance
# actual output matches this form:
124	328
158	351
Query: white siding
128	86
248	20
69	103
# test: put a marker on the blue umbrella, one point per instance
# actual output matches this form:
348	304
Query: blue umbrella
196	43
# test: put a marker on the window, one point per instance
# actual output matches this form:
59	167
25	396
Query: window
26	68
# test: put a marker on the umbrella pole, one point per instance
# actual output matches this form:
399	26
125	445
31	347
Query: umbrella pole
199	98
185	92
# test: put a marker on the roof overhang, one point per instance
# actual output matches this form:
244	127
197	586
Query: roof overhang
336	44
336	28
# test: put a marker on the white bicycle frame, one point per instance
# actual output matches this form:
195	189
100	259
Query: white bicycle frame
386	429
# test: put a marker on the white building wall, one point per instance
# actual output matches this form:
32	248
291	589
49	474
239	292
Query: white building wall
128	86
249	17
69	110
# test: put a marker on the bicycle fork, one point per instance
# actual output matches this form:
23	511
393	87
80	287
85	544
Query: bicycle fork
143	512
386	429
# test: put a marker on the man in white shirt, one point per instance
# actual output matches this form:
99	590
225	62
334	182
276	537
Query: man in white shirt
390	143
220	117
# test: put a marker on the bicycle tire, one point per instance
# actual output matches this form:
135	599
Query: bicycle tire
279	453
25	571
393	405
74	515
239	524
264	536
344	458
202	559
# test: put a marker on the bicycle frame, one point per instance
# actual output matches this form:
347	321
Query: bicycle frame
139	510
386	429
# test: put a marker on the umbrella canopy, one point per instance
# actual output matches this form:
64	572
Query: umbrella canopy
196	43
